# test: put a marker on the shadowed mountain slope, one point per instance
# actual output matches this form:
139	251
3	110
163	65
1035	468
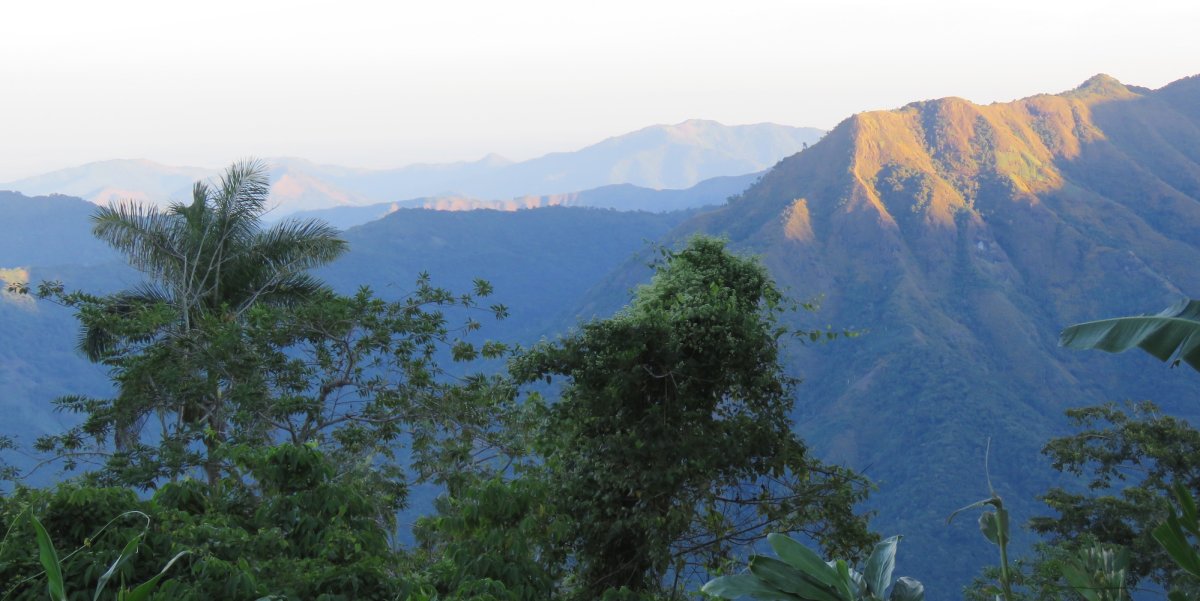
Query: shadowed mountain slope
541	262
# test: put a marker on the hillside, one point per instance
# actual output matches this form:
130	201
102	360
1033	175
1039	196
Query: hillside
540	262
659	157
46	238
962	238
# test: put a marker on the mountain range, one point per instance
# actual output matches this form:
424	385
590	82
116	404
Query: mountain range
657	157
955	239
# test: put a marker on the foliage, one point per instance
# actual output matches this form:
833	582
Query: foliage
671	443
1174	536
352	374
1098	572
8	473
1129	455
297	529
1170	447
497	536
801	574
1172	335
53	569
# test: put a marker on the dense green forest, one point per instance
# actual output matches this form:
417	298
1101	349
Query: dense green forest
265	431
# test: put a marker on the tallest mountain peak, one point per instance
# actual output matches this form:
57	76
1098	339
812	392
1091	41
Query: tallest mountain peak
1102	86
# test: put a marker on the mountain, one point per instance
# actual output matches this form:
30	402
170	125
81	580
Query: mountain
662	156
47	238
107	181
960	239
541	262
620	197
48	230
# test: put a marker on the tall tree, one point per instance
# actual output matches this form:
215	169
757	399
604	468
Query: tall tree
208	262
1130	456
671	443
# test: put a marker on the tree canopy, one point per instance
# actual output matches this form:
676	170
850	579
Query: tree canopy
671	443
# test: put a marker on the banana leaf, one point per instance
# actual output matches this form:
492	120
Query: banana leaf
1172	335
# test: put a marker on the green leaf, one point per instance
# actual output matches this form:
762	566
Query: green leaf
1080	581
788	579
128	552
49	558
881	563
1172	538
1187	508
908	589
844	581
1173	334
732	587
989	524
988	501
142	592
803	559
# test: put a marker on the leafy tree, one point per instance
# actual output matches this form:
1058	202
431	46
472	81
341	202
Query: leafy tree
8	473
355	375
671	444
208	261
1130	456
497	538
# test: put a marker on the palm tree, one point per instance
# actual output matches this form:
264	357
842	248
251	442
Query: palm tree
211	257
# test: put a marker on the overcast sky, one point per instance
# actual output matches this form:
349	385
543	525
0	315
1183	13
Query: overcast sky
382	84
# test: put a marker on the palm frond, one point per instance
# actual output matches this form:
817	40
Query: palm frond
148	237
1172	335
292	245
291	290
242	197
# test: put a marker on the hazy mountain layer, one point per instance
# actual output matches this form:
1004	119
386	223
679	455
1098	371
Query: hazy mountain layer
662	156
621	197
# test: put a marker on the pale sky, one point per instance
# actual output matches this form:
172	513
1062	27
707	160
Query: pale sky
383	84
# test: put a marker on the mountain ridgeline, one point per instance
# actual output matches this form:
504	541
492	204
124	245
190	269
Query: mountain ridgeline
658	157
960	239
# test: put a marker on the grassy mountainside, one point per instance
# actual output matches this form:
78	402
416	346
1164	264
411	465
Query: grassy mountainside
962	238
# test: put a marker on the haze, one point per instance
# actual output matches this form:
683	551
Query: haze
387	84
